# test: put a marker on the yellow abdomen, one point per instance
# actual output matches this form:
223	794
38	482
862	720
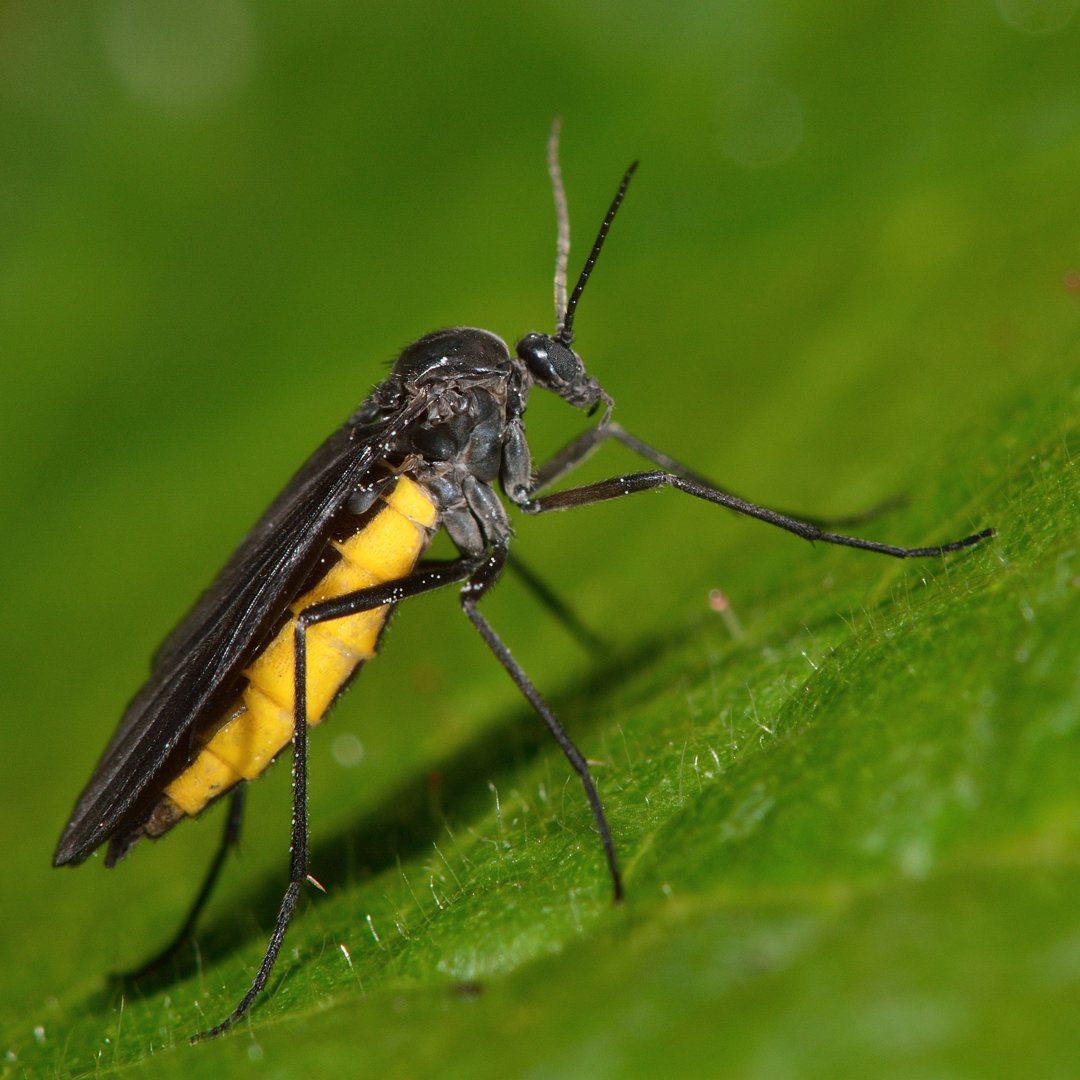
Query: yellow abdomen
261	722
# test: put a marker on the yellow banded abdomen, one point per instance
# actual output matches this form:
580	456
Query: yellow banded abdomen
261	723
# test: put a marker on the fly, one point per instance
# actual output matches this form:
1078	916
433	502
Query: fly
300	606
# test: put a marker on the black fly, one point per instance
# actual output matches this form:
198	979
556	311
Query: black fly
300	605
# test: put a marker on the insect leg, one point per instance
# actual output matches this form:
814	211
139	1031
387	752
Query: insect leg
669	464
229	839
481	580
556	605
574	453
631	483
431	576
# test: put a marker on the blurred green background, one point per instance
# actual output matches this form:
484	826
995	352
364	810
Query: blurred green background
847	269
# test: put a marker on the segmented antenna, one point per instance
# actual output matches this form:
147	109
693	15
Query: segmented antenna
564	332
562	244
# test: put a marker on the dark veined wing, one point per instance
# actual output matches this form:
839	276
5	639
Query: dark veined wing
216	639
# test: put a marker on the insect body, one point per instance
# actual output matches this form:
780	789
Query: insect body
260	723
300	605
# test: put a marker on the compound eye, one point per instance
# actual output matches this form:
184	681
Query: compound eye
549	361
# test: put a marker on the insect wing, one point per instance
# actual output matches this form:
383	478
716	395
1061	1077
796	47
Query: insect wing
201	658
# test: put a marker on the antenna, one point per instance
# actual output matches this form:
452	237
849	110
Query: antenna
562	244
564	332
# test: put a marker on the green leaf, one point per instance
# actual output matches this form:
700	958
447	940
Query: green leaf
846	807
